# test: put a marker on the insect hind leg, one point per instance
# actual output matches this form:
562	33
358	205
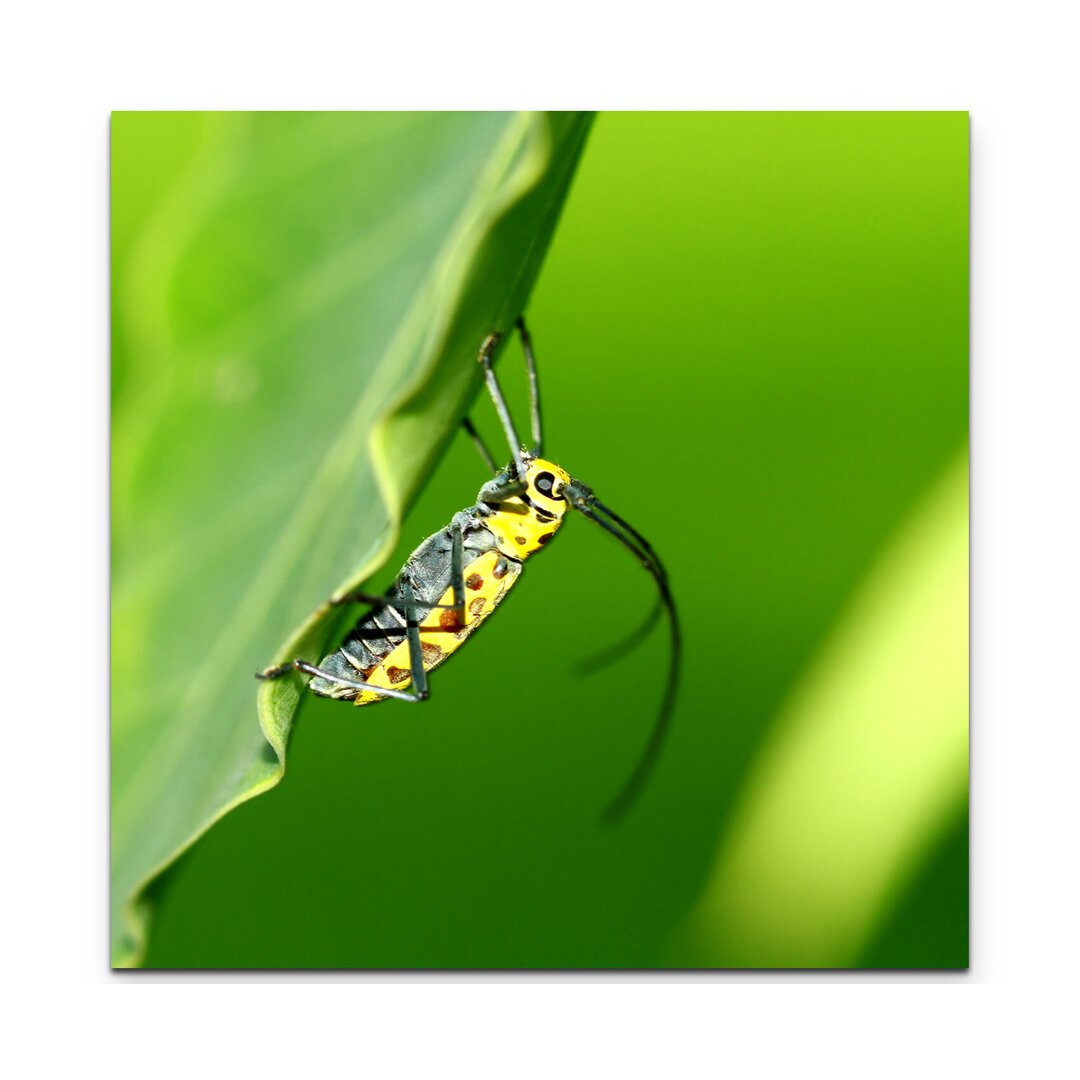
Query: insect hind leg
279	670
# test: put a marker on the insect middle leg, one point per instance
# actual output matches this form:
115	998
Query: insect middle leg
412	636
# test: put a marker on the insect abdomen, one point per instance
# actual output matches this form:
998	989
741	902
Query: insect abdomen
488	578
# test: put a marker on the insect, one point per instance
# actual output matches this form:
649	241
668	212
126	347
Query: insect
456	578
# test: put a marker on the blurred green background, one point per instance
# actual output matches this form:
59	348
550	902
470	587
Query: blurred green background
752	337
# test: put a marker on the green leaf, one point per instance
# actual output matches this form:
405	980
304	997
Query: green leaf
298	300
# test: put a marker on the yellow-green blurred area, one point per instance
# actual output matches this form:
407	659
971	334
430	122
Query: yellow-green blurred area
751	332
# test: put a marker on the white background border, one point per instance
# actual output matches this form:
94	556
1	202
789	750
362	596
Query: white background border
67	67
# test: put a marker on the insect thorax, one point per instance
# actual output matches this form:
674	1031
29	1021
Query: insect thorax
525	523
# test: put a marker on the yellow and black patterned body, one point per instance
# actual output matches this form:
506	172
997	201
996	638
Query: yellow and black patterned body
455	579
496	539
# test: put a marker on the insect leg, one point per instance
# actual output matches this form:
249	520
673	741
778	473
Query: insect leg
356	597
375	599
457	573
534	389
412	635
480	445
500	402
338	680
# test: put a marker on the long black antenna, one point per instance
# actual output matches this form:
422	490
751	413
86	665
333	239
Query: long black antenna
618	649
646	546
587	505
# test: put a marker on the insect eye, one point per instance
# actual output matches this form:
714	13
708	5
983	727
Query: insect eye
545	484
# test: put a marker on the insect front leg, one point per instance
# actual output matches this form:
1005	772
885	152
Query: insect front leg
486	349
534	389
501	488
